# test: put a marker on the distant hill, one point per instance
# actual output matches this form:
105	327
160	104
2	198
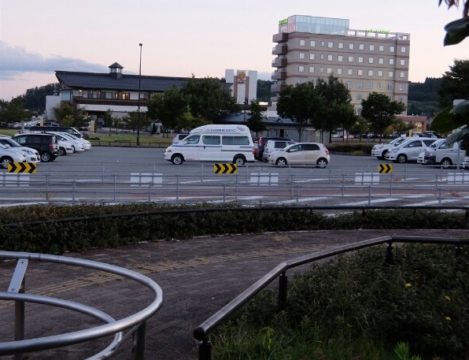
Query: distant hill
423	97
35	98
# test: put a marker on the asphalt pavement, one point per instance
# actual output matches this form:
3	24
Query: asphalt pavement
198	276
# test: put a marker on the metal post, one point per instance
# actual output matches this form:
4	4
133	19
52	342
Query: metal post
282	291
205	350
224	193
47	187
177	188
343	185
74	190
389	254
115	187
138	100
237	187
369	194
138	348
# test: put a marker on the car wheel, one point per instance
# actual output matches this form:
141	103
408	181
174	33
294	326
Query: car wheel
5	161
239	160
281	162
74	150
322	163
446	163
62	152
402	159
45	157
385	152
177	159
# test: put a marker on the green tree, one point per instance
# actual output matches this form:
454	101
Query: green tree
360	127
455	83
35	98
380	112
255	122
263	90
13	111
69	115
208	98
170	108
301	103
337	110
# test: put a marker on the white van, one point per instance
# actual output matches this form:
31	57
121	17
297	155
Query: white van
231	143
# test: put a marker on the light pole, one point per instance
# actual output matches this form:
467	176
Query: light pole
138	100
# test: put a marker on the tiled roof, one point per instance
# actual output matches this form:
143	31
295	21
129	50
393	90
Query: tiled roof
83	80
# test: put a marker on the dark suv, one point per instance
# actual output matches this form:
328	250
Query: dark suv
46	144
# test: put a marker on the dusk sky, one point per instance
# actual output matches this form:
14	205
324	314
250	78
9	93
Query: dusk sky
189	37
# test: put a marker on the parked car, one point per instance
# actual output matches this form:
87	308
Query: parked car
409	150
301	154
259	149
449	156
85	144
46	144
32	155
9	155
427	156
380	150
274	145
75	144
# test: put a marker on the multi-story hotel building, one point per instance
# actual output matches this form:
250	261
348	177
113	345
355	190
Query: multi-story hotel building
309	48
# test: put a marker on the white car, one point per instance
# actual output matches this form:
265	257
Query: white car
380	150
450	156
302	154
274	145
409	150
9	155
78	144
32	155
428	155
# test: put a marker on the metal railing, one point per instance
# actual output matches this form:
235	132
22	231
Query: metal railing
134	324
201	333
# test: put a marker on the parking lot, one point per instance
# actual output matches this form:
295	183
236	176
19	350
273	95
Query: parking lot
116	175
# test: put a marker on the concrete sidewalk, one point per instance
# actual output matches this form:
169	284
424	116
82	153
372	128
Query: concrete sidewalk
198	276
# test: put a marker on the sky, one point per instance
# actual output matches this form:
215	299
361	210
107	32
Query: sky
194	37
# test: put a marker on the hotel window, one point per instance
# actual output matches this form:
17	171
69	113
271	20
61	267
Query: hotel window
391	61
378	85
321	56
302	55
381	61
389	86
380	73
312	43
301	68
349	72
311	56
401	87
360	85
323	43
350	46
330	44
329	57
391	49
340	45
372	48
381	48
360	72
370	84
339	71
360	59
402	62
390	74
403	49
370	72
340	58
361	47
311	69
350	59
329	70
321	69
359	97
401	74
302	42
348	84
370	60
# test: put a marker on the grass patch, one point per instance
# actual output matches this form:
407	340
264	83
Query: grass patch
356	307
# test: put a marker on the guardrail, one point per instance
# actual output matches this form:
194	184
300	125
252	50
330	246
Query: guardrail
202	331
134	324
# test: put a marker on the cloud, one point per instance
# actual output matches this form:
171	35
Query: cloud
15	59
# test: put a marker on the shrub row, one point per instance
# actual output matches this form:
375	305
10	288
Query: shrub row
57	229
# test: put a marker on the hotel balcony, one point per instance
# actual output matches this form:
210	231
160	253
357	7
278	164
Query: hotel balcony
277	87
281	37
279	75
279	62
86	100
280	49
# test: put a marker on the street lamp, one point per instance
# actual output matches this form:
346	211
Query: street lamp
138	100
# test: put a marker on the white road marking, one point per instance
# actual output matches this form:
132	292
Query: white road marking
306	199
373	201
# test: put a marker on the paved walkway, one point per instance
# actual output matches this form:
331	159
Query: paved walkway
198	276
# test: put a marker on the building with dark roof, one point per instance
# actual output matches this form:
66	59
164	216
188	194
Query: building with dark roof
96	93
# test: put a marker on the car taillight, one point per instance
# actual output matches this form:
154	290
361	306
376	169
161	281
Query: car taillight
52	146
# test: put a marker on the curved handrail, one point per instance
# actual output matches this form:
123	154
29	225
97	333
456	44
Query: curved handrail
112	327
201	332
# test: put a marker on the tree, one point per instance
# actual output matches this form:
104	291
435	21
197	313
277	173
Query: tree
12	111
360	127
299	103
379	110
337	110
458	30
264	90
208	98
455	83
255	122
69	115
170	108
